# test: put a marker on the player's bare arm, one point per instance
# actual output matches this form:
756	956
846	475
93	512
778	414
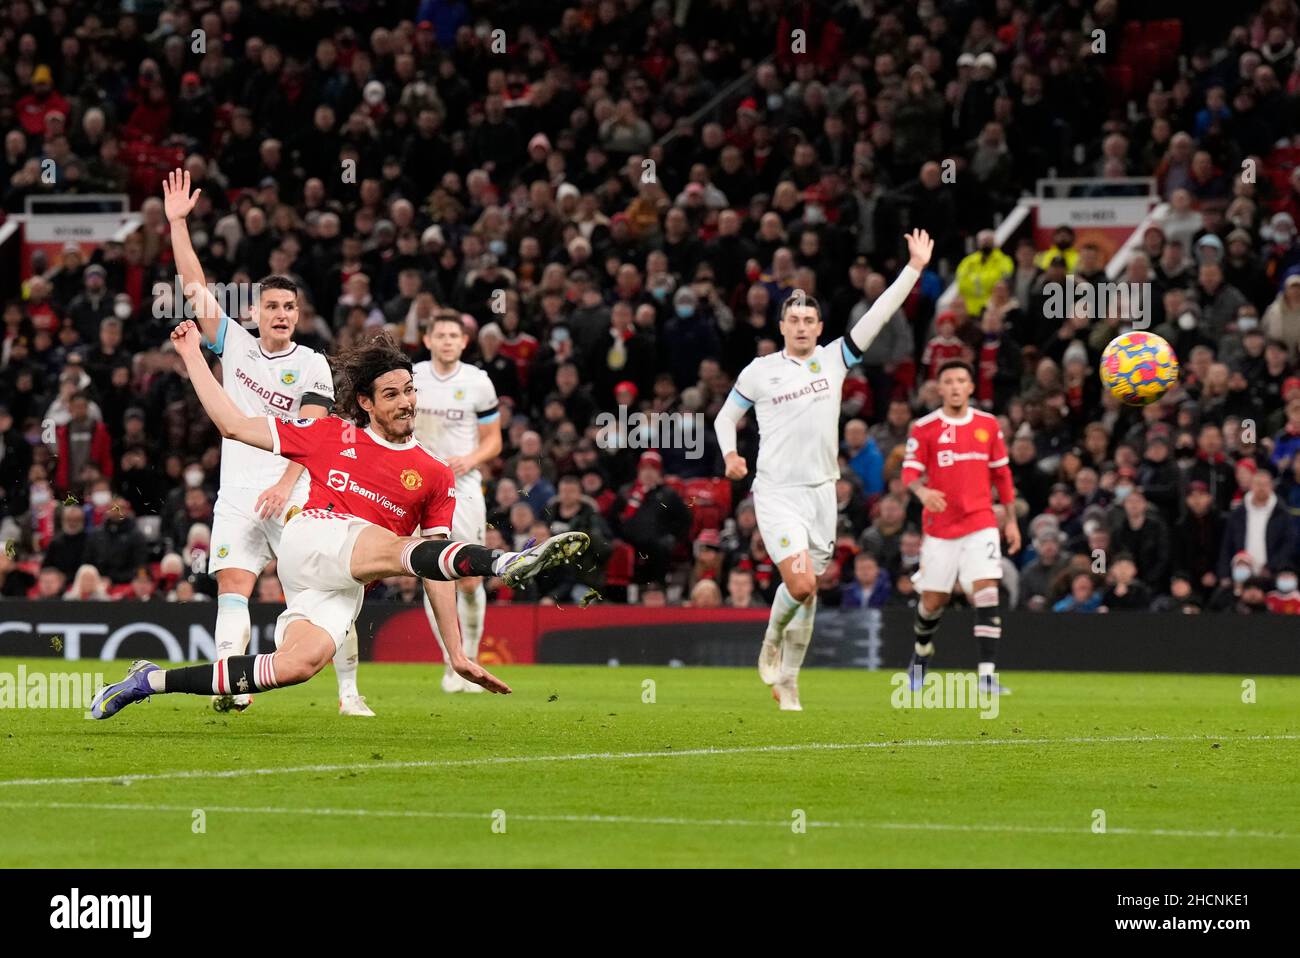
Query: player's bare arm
233	424
1012	532
920	246
178	203
442	596
488	448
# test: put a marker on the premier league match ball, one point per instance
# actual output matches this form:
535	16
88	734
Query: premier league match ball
1138	368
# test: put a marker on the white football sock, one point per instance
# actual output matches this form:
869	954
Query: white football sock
233	625
784	608
797	638
987	668
437	634
470	607
345	663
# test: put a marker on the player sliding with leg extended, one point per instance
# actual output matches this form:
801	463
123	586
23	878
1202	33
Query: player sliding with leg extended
950	456
265	375
795	393
372	486
456	418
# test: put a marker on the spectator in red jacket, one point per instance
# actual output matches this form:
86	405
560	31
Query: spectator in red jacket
82	441
40	103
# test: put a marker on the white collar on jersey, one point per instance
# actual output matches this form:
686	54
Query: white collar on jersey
409	444
281	354
433	371
797	362
960	421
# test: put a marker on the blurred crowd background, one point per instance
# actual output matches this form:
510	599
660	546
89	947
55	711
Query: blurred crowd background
618	195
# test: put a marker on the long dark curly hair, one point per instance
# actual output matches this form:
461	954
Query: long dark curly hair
359	366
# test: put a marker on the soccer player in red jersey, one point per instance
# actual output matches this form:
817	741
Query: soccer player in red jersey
951	456
372	486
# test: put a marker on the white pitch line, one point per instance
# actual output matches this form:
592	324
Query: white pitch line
130	778
1080	830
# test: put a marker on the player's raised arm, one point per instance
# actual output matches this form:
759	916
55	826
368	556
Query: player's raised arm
233	424
920	246
178	202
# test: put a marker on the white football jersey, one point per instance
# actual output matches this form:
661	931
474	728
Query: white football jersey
265	384
797	403
449	410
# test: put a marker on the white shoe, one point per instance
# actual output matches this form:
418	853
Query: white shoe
355	704
231	703
535	560
786	691
769	663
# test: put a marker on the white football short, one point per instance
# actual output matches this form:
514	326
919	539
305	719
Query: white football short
966	559
469	520
315	571
242	540
792	519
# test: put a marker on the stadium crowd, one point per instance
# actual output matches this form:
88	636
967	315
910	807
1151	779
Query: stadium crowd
619	228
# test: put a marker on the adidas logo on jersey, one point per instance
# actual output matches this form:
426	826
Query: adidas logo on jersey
349	453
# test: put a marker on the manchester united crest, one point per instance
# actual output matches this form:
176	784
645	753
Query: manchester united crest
982	435
412	479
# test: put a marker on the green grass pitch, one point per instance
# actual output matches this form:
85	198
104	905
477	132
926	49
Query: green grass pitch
576	769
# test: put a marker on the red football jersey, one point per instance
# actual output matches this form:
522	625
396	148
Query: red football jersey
356	472
962	458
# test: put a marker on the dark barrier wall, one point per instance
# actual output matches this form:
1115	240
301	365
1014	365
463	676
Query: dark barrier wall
1255	645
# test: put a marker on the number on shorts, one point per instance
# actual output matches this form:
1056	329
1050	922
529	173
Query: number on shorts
993	550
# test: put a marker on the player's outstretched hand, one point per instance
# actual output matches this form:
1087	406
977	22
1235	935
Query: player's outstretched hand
737	468
186	338
919	247
177	199
473	672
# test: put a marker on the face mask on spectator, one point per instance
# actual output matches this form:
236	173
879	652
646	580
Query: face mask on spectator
659	292
775	101
193	477
40	497
1187	321
813	214
1246	323
101	499
1240	573
1286	583
122	310
497	247
685	312
1121	492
